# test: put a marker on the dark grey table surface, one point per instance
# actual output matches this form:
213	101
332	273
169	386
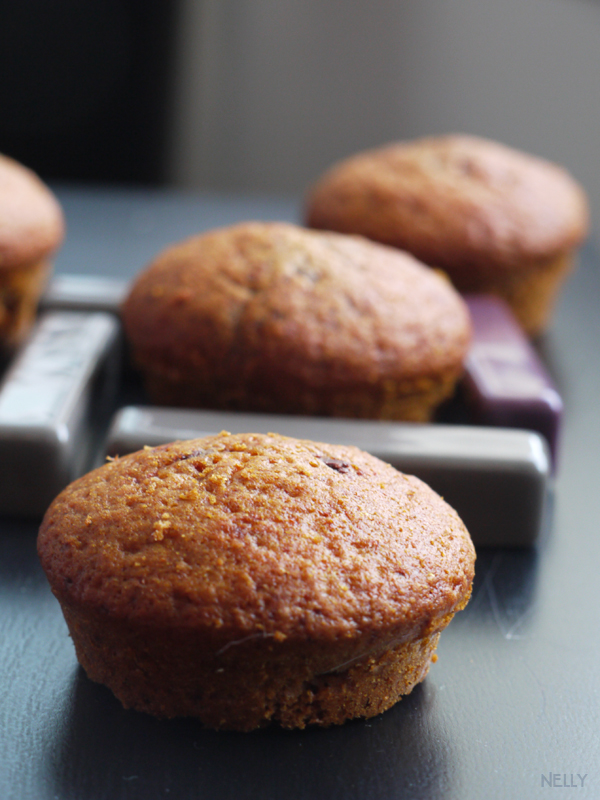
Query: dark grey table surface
510	710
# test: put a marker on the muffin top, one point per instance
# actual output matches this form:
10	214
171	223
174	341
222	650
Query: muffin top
258	535
258	300
454	198
31	219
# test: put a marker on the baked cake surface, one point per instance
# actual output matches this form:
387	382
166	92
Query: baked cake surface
31	229
253	578
31	219
494	218
272	317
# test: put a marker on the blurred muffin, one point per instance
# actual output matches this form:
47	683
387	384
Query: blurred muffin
496	220
271	317
244	579
31	229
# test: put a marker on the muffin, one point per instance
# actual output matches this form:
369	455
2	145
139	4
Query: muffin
494	219
271	317
247	579
31	229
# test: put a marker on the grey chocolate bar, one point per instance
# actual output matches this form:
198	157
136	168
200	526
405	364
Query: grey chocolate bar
496	479
65	372
84	293
506	383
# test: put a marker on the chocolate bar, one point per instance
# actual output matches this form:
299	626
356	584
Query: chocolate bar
506	383
64	375
84	293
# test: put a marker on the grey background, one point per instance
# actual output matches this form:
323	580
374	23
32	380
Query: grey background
268	93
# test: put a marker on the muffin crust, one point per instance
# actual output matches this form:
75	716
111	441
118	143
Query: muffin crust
31	229
31	220
249	578
272	317
483	212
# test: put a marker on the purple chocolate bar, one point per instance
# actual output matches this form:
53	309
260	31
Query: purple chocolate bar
506	384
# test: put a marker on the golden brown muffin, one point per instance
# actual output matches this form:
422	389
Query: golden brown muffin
272	317
31	229
496	220
250	578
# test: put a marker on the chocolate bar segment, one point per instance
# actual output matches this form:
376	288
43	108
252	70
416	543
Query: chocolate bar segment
497	480
51	397
506	383
84	293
